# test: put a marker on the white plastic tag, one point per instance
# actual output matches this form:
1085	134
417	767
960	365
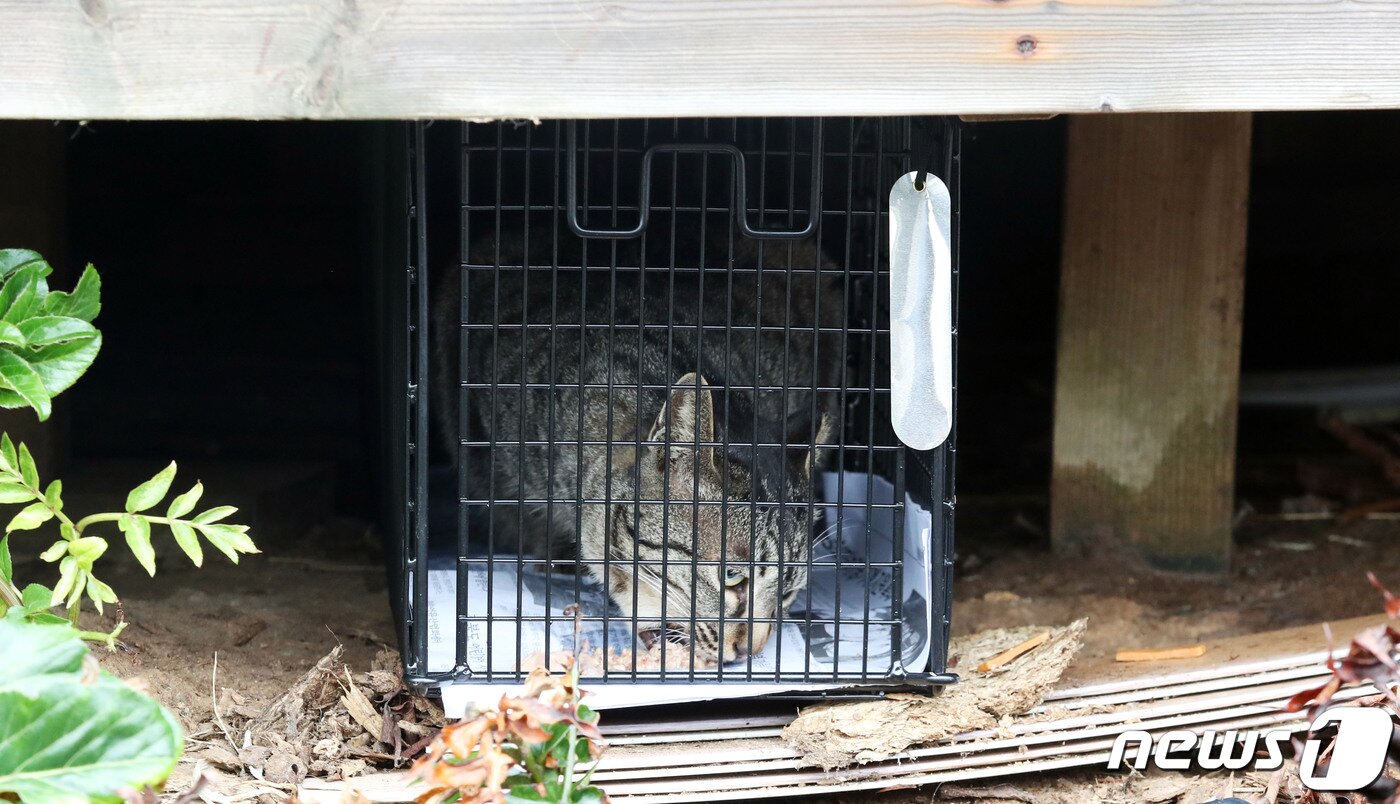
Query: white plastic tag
921	312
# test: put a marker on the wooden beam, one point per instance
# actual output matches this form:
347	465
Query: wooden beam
33	214
1150	309
551	58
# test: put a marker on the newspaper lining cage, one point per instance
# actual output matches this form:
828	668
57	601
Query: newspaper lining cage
647	376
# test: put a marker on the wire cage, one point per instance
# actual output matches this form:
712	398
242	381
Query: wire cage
643	415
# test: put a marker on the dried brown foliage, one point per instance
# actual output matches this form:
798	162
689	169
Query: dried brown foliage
528	744
1371	658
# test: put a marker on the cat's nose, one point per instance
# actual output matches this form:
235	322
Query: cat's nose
742	643
744	640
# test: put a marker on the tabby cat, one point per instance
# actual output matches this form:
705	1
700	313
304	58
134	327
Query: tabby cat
697	365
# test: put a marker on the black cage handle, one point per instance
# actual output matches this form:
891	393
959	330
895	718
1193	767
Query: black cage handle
740	194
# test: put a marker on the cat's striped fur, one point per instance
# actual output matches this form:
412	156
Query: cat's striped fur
652	510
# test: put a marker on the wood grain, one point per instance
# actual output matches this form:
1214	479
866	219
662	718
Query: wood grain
87	59
1160	654
1152	287
1014	652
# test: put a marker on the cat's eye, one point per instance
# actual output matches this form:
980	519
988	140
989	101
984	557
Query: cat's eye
733	577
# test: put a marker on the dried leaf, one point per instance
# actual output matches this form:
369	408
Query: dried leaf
1392	603
360	708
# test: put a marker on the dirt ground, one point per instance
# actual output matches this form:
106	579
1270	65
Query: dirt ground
1284	573
273	617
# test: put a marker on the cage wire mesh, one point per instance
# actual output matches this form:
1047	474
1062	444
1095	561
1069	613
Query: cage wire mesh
656	369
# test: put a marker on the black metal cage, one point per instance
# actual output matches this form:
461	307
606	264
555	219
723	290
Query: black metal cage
642	414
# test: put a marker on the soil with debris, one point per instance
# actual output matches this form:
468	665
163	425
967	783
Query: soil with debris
1284	573
254	658
1085	787
274	617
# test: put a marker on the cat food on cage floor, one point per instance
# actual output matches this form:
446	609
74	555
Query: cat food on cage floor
667	419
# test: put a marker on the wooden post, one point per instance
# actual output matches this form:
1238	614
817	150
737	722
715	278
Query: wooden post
33	214
1150	308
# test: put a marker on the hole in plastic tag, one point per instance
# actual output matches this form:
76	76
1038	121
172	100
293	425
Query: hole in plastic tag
921	312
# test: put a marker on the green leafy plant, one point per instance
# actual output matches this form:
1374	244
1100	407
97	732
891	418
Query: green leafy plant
77	550
47	339
69	732
527	749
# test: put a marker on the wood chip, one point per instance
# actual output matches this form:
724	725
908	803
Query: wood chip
1001	792
1158	654
359	707
1011	654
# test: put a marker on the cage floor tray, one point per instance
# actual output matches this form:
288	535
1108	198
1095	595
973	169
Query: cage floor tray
838	634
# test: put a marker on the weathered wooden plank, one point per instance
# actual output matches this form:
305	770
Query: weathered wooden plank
558	58
1151	298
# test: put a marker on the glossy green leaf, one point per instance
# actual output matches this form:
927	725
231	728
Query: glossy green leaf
152	491
11	493
9	461
12	259
229	539
69	574
87	740
215	514
29	652
188	541
21	291
185	503
50	329
54	553
30	517
7	567
87	549
53	495
70	736
27	469
46	339
11	335
79	586
100	593
19	377
37	598
83	303
61	364
138	538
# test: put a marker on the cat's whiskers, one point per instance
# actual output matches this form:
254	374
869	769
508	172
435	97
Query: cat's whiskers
826	533
646	578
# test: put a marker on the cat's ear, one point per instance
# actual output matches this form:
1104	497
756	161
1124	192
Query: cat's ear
688	417
817	456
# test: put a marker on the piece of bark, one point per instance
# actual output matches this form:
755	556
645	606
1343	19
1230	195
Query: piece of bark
1160	654
836	735
316	691
1001	792
359	707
